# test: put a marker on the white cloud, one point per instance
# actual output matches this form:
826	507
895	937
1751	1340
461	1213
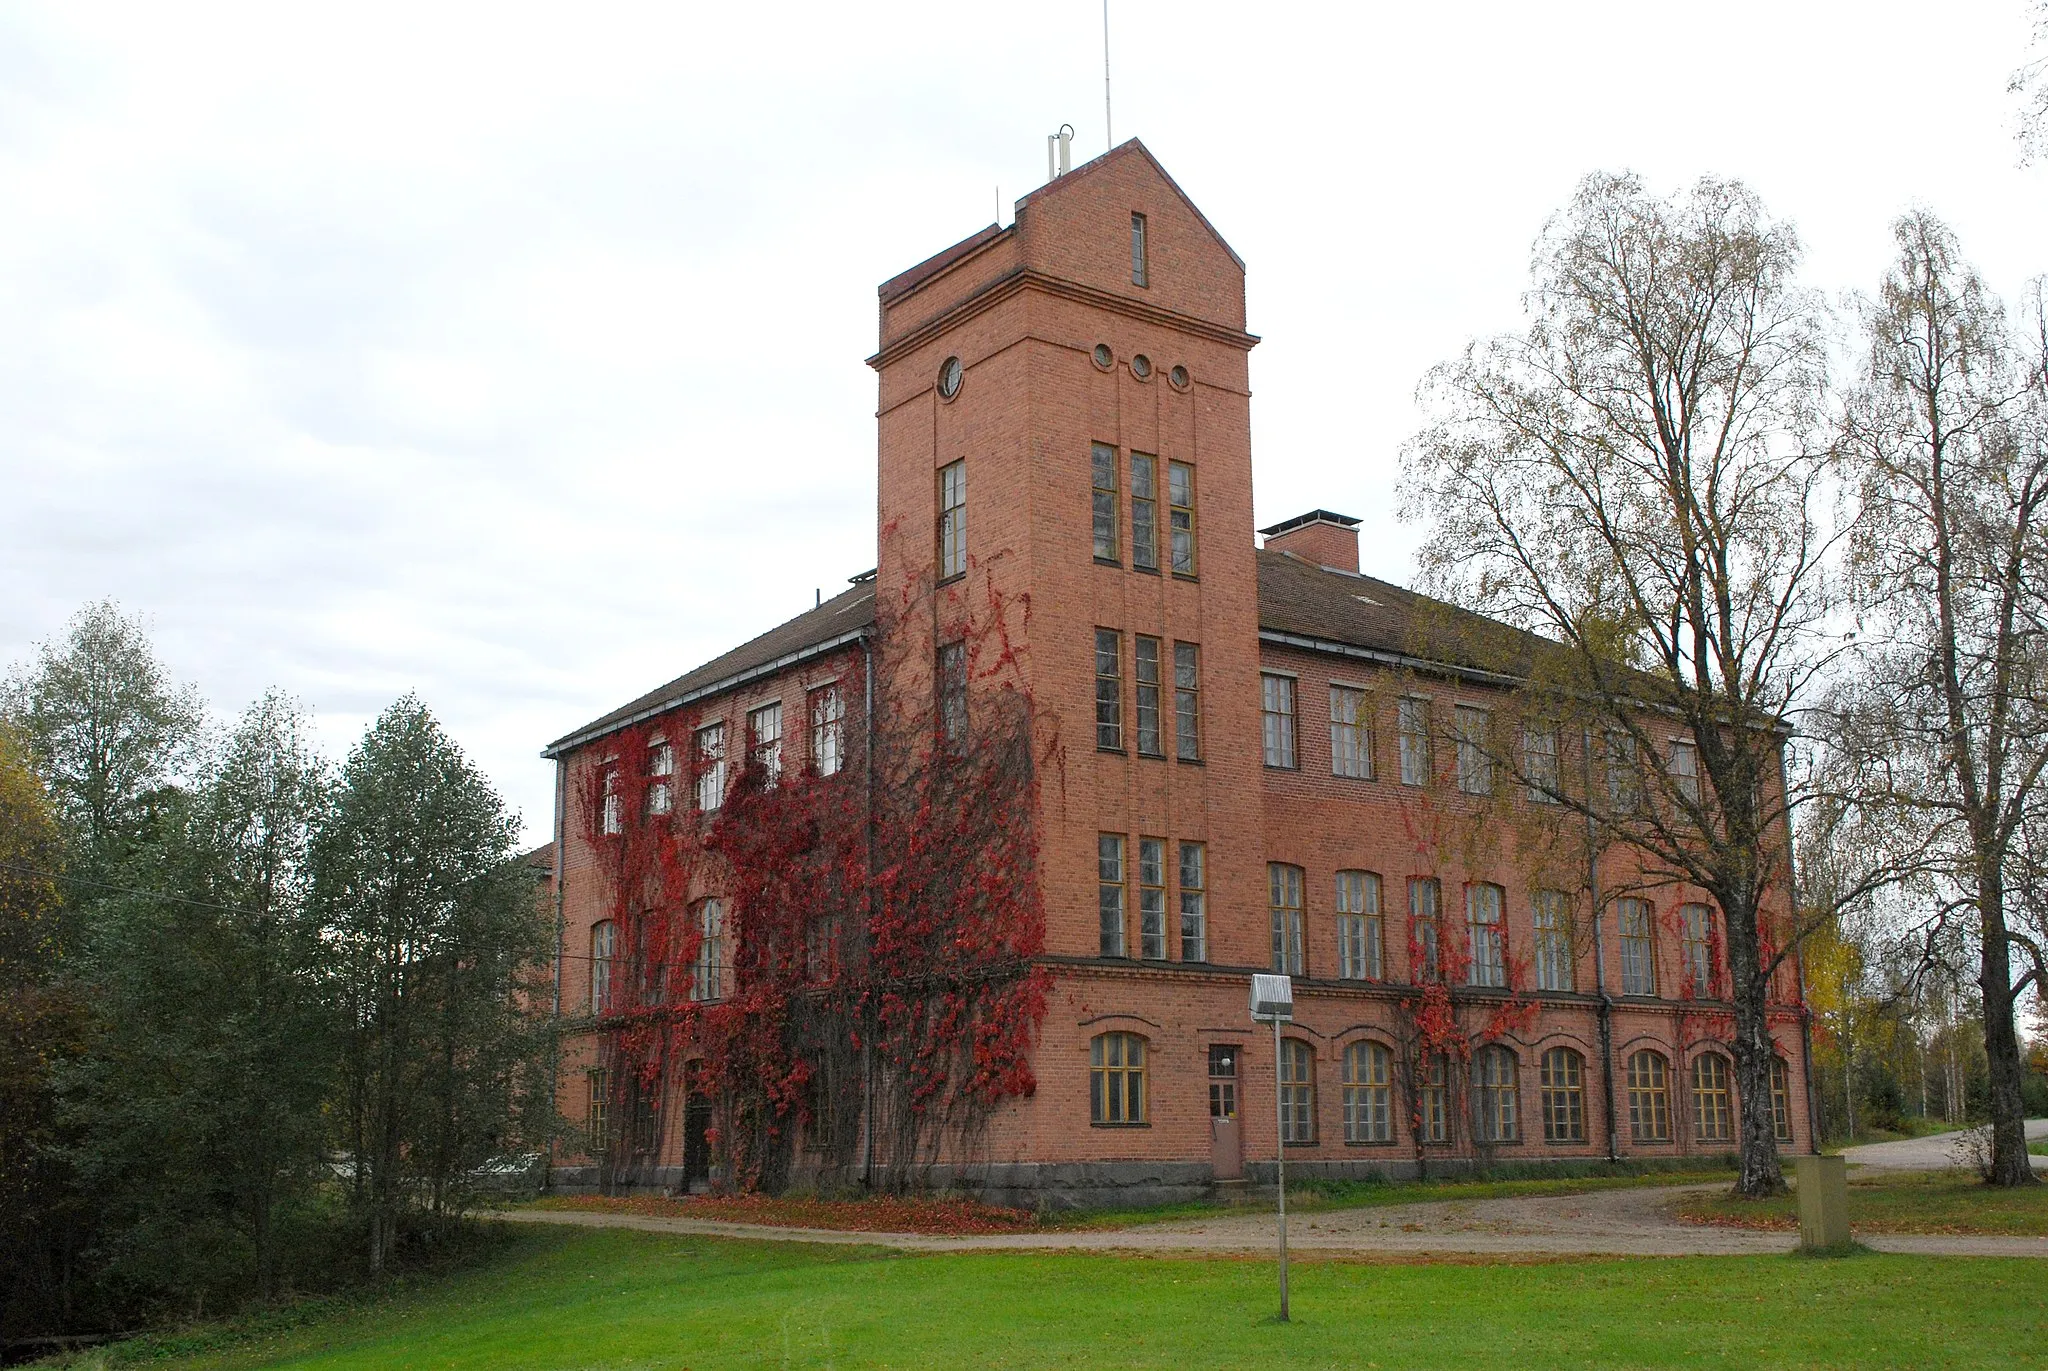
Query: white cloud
514	355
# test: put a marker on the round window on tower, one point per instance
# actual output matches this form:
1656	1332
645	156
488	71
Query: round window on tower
1104	358
1141	367
1179	377
950	373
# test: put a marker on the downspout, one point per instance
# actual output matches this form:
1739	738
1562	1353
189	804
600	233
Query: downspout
561	945
867	1048
1599	952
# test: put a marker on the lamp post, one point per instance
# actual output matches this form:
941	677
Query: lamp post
1273	1002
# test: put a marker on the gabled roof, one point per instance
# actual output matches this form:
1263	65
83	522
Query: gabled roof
843	619
1131	148
1315	606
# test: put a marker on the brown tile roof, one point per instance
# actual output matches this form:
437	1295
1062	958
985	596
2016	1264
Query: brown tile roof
844	617
1305	601
903	282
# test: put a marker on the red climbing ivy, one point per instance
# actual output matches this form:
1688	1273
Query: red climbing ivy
868	990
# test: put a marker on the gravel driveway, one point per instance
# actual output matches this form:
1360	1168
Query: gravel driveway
1936	1153
1633	1222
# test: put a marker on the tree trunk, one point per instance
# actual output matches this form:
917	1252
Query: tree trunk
1759	1175
2009	1164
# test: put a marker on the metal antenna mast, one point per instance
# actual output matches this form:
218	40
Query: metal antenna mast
1108	125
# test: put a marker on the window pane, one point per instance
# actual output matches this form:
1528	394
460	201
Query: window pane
1109	861
1193	903
1180	480
1146	666
1144	512
1277	717
1413	721
1103	460
1187	718
1109	690
1152	899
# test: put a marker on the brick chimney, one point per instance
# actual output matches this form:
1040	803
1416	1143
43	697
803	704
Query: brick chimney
1318	536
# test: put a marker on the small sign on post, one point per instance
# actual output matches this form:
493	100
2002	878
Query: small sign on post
1273	1002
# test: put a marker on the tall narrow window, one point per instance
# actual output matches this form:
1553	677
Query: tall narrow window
1152	899
1638	946
1103	461
1139	275
952	681
1564	1096
828	722
953	520
1194	903
1180	500
1781	1100
1713	1113
1685	770
1116	1079
597	1111
661	777
1109	878
1425	907
1540	762
1368	1096
1297	1091
1412	721
1433	1102
1489	938
1475	757
612	818
764	739
1145	667
1144	512
1494	1092
1623	784
604	947
1187	702
1350	733
1649	1098
1696	949
1553	923
709	746
707	974
1358	926
1285	886
1276	717
1109	690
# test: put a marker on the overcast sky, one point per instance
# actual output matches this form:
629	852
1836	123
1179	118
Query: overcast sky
515	356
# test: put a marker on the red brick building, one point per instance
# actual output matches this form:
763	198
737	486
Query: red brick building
1264	764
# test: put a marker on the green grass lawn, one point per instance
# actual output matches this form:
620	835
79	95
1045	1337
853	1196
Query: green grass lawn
2039	1147
1897	1202
615	1299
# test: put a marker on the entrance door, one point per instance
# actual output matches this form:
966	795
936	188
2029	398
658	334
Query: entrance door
696	1140
1226	1140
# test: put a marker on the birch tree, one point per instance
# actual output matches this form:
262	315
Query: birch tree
1947	434
1638	477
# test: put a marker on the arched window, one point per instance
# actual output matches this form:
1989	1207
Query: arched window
1358	926
1368	1102
1286	889
1297	1091
1781	1099
604	946
1116	1079
1487	935
1493	1095
1713	1114
1564	1096
1649	1098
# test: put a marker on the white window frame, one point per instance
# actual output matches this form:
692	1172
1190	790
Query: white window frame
707	752
1361	931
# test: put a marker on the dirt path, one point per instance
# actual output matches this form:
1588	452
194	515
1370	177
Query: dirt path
1633	1222
1935	1153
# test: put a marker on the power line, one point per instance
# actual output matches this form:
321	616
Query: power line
128	889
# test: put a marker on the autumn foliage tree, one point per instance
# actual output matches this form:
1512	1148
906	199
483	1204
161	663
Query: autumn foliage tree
841	960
